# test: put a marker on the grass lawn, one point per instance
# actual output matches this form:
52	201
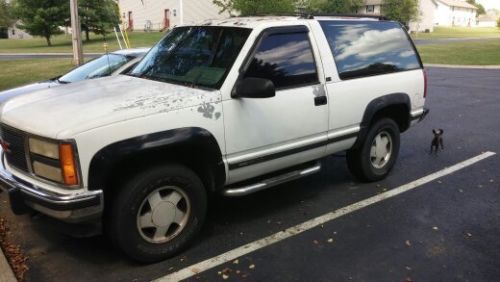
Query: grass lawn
62	43
459	32
19	72
463	53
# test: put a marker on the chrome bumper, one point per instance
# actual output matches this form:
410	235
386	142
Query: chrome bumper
70	208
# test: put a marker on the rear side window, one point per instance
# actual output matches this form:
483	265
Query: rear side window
286	59
366	48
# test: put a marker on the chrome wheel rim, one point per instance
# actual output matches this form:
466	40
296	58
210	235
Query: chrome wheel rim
381	150
163	214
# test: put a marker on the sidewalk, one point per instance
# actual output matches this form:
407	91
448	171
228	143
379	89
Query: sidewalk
492	67
6	274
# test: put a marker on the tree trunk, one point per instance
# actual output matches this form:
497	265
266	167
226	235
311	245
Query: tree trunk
87	37
47	37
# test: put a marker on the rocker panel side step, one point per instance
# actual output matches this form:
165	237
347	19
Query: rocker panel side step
272	181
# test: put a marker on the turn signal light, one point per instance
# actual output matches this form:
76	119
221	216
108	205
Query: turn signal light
67	158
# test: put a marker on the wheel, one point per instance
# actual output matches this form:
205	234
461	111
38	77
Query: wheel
157	213
377	154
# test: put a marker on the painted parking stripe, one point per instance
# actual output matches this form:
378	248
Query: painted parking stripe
295	230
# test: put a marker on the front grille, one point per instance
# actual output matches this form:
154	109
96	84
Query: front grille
14	142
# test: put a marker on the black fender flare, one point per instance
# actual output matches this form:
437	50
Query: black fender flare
378	104
107	158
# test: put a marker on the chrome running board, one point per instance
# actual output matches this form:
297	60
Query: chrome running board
270	182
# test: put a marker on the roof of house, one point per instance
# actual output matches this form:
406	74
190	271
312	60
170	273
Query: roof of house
458	3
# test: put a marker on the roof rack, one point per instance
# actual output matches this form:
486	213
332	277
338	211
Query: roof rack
311	16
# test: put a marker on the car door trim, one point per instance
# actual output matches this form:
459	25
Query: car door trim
292	151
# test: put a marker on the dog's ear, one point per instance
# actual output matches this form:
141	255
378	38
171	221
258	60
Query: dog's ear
434	131
441	131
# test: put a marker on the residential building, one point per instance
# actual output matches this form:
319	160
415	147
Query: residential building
424	21
425	18
455	13
161	14
15	33
431	13
488	20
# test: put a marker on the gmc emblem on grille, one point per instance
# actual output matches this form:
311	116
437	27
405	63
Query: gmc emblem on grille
5	146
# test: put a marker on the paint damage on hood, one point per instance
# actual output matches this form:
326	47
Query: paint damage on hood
81	106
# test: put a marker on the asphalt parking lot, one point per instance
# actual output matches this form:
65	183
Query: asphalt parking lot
447	229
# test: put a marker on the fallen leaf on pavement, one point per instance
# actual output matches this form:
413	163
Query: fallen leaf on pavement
408	243
252	266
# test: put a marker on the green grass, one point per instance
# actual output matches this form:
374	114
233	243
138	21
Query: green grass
19	72
62	43
464	53
459	32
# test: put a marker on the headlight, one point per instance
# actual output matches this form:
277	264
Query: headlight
53	160
44	148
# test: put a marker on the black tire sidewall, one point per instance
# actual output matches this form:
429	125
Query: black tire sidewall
123	218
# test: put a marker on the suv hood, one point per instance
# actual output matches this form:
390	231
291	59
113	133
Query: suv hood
65	111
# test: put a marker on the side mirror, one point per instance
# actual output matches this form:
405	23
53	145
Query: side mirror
253	87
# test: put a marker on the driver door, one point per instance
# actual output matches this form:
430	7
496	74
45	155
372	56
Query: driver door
268	134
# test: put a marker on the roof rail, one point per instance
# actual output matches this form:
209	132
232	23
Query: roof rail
311	16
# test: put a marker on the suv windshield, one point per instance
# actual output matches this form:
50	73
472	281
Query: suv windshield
193	56
102	66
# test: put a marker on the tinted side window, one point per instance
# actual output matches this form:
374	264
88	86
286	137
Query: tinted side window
286	59
365	48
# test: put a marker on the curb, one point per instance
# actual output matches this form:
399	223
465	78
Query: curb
493	67
6	273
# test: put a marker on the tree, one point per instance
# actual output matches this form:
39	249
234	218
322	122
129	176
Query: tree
403	11
256	7
6	18
333	6
480	8
98	16
42	17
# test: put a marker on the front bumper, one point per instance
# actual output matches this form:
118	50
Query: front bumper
71	208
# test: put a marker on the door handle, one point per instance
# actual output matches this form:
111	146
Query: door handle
320	100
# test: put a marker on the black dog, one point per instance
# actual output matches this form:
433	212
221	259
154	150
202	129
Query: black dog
437	140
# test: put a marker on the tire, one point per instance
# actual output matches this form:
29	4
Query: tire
367	165
157	213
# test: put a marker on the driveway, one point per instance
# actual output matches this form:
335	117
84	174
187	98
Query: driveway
445	228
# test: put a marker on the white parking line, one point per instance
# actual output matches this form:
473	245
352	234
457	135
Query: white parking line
295	230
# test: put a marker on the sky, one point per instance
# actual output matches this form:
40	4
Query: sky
490	4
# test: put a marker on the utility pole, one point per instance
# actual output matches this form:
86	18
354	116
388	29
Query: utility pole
76	33
181	11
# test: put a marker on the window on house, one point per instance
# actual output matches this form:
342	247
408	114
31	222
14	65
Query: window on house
286	59
370	8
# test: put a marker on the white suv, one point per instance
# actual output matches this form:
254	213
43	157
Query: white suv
230	107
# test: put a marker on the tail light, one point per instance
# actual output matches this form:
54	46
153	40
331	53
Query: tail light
425	83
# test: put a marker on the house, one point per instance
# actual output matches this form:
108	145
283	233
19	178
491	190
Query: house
488	20
425	18
431	13
455	13
162	14
424	21
14	32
